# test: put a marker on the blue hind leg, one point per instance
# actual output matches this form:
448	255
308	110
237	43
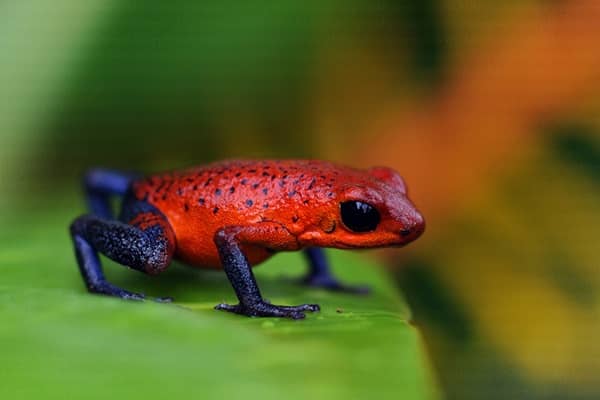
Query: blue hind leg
146	244
100	185
143	240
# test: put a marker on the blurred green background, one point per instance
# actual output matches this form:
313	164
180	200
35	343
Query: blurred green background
489	109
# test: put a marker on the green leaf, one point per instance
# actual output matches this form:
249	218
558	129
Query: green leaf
58	341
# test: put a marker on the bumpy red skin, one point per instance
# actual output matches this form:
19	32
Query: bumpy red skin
296	201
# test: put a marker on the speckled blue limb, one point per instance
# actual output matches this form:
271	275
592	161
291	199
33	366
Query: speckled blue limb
242	279
147	250
100	184
320	275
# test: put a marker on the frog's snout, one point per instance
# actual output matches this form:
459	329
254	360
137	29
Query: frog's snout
413	227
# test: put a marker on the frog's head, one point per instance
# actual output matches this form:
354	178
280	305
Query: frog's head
370	210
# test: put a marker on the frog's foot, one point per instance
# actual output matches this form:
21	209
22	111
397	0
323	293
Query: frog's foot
264	309
332	284
108	289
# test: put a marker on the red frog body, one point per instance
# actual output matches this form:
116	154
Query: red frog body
301	197
236	214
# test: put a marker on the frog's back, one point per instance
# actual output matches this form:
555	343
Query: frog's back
199	201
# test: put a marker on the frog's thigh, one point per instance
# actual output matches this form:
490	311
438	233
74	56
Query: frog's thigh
147	249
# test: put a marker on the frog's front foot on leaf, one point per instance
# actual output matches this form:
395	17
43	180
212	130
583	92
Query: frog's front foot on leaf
264	309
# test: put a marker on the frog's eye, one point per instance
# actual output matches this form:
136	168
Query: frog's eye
359	216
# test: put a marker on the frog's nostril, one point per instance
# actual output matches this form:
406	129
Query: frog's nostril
413	229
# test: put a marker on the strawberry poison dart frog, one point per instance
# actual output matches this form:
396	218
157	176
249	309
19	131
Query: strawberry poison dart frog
232	215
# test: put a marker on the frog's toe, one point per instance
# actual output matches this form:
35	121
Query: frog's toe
353	289
133	296
227	307
108	289
163	299
302	307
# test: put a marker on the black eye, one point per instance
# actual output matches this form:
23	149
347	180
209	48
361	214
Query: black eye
359	216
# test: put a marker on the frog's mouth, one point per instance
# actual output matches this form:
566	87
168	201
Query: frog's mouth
392	240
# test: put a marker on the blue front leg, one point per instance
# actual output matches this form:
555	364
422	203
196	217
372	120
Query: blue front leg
320	275
239	272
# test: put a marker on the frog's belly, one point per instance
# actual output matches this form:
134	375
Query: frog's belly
195	231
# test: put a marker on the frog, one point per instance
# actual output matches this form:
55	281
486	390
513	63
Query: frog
232	215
